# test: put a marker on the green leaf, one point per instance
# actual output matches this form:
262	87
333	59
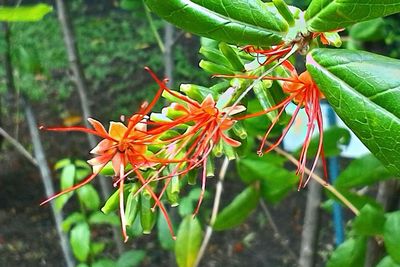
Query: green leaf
370	221
104	263
24	13
85	265
188	241
238	210
131	258
240	22
71	220
164	236
328	15
97	247
276	181
100	218
62	163
391	235
371	30
333	137
364	90
387	262
351	253
89	197
361	172
80	241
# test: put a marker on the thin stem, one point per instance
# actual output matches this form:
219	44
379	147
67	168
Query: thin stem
277	234
214	213
319	180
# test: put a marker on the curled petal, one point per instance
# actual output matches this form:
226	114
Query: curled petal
98	126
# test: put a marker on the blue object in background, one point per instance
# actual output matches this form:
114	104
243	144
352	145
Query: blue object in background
333	172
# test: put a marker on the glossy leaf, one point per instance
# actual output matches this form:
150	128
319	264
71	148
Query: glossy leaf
370	221
188	241
387	262
238	210
351	253
237	22
24	13
361	172
80	241
328	15
364	90
391	235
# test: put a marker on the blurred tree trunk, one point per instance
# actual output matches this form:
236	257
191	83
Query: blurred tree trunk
40	156
168	53
309	237
79	79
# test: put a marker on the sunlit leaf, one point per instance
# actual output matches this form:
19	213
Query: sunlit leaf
328	15
237	22
24	13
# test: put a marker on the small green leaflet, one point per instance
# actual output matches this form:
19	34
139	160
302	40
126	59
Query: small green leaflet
364	90
328	15
24	13
240	22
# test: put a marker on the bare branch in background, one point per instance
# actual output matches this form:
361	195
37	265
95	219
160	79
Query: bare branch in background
214	213
277	235
18	146
47	181
79	79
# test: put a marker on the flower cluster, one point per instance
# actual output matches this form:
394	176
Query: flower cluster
156	149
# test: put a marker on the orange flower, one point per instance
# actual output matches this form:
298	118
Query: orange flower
121	145
302	90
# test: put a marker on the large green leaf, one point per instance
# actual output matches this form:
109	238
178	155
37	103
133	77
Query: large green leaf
391	235
364	90
24	13
238	210
188	241
328	15
233	21
361	172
